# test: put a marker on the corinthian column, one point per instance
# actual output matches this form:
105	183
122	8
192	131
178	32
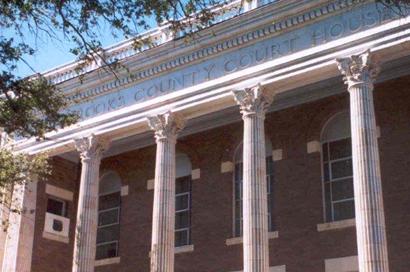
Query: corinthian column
90	149
166	127
359	72
253	103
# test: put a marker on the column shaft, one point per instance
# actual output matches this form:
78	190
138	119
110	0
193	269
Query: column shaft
166	127
255	215
253	104
163	222
87	212
370	223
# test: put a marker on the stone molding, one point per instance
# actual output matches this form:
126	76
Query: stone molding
277	155
251	36
227	167
184	249
313	147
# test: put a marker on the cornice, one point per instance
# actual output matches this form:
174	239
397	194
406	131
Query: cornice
282	25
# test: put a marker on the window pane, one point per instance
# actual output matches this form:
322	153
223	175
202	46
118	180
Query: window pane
328	203
325	152
183	184
181	238
106	251
340	149
108	234
342	189
326	171
55	206
108	217
182	202
109	201
343	210
342	169
182	220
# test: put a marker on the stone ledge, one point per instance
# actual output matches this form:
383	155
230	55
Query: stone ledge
59	192
54	237
107	261
239	240
184	249
347	223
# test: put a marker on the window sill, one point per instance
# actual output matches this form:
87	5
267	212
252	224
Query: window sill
184	249
239	240
335	225
55	237
107	261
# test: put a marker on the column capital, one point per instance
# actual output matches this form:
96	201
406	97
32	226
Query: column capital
358	69
166	125
254	100
91	147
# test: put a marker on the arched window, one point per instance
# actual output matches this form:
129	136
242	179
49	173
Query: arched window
183	201
238	176
108	233
337	168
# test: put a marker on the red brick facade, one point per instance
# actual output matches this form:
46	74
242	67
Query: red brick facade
298	194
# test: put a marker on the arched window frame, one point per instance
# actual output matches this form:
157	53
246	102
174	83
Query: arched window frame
183	200
109	249
270	189
327	162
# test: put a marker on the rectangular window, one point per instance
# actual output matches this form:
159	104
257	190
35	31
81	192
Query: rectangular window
108	232
57	206
338	180
238	196
183	211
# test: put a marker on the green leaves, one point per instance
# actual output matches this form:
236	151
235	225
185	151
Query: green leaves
20	168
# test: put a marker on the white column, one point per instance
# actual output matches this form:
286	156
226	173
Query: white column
91	149
359	72
253	104
166	127
18	248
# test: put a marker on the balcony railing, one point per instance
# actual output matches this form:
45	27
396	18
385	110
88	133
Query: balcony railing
155	37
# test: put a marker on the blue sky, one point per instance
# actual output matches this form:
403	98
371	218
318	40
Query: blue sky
51	53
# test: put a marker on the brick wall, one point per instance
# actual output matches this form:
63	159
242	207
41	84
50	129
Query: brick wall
298	194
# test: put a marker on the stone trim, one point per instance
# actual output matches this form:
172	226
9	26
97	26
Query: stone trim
59	192
239	240
58	238
277	155
184	249
196	174
107	261
278	268
227	167
343	264
124	190
150	184
342	224
313	147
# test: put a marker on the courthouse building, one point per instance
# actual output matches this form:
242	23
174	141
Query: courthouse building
276	140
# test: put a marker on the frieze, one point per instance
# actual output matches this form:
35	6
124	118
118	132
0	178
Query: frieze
268	47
